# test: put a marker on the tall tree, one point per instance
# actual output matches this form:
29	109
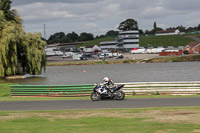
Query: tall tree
181	28
13	47
11	35
56	38
129	24
154	25
86	37
141	32
112	33
72	36
198	27
5	6
35	53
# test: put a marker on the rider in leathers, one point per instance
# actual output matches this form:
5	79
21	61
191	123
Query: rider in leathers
108	84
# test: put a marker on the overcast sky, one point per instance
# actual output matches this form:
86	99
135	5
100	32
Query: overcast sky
99	16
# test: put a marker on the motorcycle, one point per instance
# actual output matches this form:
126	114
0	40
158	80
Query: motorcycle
100	92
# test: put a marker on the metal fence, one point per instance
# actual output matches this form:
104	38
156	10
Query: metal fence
136	88
162	88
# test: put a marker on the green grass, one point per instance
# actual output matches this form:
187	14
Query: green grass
198	35
92	62
5	89
155	41
186	58
86	98
188	34
142	120
41	98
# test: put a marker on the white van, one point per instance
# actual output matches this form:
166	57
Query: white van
154	50
76	56
138	51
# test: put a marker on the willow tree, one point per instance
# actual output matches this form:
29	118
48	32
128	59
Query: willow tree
11	34
34	53
16	47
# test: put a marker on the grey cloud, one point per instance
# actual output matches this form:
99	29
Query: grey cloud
40	12
77	15
23	2
135	4
182	4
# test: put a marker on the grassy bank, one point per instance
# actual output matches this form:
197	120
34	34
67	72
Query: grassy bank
4	90
188	58
155	41
91	62
144	120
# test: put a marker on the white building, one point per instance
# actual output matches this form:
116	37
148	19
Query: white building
91	48
109	45
126	40
53	51
167	32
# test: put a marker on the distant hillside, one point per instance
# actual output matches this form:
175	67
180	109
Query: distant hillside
97	41
172	40
155	41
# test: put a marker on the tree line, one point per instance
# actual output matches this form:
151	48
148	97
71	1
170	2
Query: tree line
60	37
20	52
181	28
128	24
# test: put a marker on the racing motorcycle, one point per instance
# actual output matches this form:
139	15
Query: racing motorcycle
100	92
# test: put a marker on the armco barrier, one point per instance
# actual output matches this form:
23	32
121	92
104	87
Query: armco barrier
162	88
136	88
51	90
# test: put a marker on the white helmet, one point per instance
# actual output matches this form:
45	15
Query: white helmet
106	79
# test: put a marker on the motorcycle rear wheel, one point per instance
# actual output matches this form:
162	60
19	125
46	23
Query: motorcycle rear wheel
120	95
95	96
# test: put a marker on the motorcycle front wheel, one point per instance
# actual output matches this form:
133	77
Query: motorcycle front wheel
119	95
95	96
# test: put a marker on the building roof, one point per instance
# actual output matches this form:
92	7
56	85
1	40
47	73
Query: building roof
129	31
165	31
65	44
90	46
109	42
193	44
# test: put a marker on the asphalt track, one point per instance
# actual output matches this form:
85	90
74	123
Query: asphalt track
104	104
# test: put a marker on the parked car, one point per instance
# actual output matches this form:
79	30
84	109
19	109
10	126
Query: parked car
76	57
105	55
116	54
120	57
83	57
67	55
186	52
102	55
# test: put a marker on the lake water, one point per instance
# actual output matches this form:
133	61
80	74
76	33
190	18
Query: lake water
119	73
